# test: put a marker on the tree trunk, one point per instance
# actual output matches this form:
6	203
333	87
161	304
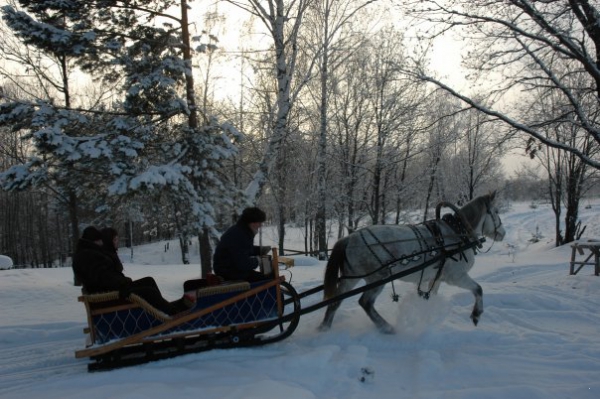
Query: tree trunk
281	227
573	194
72	206
204	237
205	253
430	188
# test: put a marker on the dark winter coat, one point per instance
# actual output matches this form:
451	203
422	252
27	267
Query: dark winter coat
108	234
99	272
234	257
96	269
114	257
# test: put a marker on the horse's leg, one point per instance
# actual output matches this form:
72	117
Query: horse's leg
436	287
344	285
468	283
367	301
329	313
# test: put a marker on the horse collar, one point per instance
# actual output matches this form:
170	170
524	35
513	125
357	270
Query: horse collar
456	224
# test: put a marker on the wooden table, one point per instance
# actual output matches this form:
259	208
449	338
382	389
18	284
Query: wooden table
587	250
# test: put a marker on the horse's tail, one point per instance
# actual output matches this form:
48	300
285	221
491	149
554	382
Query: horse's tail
334	267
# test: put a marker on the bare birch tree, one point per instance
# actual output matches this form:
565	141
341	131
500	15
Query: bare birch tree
351	117
525	45
476	161
569	178
283	21
329	20
444	127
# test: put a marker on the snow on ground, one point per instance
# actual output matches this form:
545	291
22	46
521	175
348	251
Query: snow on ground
538	337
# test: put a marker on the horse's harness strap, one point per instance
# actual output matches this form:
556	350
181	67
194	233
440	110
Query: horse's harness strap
394	295
424	249
455	225
392	259
438	274
436	233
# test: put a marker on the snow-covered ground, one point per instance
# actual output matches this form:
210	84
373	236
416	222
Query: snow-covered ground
538	338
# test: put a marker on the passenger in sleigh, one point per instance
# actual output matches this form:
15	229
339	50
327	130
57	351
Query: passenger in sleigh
236	255
110	245
99	269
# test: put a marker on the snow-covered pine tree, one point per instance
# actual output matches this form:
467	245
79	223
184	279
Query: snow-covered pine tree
56	131
146	140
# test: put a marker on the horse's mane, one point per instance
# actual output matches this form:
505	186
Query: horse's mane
472	210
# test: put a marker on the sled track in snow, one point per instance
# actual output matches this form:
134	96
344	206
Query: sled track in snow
24	365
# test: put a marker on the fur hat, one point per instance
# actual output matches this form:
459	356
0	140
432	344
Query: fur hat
252	215
91	234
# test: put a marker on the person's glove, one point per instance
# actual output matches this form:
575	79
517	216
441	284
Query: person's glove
265	250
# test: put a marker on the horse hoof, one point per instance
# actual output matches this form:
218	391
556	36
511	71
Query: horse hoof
475	316
387	330
323	328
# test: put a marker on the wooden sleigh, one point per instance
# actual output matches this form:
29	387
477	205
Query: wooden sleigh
234	314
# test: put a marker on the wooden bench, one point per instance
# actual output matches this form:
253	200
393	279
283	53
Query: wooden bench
586	250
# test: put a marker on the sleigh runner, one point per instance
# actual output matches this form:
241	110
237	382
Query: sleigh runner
126	332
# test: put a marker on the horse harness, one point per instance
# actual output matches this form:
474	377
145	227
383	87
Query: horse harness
455	224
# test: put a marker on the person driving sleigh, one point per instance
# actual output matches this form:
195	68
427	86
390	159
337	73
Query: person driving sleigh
236	255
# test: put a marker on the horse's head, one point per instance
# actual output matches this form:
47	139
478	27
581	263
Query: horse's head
481	214
491	226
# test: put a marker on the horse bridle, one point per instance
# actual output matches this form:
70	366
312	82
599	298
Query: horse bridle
489	212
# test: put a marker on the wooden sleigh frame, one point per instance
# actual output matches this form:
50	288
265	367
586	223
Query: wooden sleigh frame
202	328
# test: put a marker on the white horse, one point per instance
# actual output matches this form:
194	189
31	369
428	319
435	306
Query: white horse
376	252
